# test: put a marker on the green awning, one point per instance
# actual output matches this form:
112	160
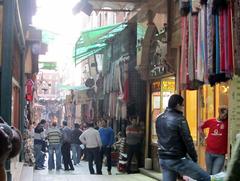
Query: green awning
141	31
87	54
94	41
90	37
47	65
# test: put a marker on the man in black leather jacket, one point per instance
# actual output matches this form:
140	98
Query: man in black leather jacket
175	145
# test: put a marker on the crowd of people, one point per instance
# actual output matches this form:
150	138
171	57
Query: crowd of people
176	150
64	147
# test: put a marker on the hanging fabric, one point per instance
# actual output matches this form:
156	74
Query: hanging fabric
201	45
184	53
210	35
230	36
207	44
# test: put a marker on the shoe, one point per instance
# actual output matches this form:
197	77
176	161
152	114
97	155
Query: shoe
109	173
71	169
39	168
66	169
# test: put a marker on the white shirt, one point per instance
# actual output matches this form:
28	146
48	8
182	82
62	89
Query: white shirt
91	138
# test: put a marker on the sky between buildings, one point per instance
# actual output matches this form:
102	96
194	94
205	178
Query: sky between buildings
55	17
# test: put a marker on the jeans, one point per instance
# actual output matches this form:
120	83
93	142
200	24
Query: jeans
76	153
214	163
131	150
57	149
38	154
107	152
66	156
93	154
172	167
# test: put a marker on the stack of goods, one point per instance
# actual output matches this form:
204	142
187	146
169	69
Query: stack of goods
122	156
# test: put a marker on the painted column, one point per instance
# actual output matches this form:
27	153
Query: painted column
6	71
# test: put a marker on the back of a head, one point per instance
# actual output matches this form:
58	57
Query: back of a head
64	123
54	123
104	122
175	100
76	125
43	121
90	124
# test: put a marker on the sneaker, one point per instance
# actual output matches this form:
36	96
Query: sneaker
109	173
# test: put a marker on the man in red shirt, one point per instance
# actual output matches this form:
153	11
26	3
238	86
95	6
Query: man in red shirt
216	141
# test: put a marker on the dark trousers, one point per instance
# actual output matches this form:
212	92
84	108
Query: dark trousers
131	150
66	156
93	154
107	152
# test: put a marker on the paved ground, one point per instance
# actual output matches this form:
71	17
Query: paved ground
81	173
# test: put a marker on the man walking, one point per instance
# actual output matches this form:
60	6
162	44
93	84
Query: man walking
66	146
76	150
91	138
54	137
175	144
107	138
39	138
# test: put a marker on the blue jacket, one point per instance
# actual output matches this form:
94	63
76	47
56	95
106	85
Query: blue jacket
107	136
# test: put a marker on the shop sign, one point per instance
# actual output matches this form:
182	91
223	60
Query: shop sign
168	85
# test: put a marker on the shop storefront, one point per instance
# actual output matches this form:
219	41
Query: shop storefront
206	68
201	105
160	92
159	73
203	75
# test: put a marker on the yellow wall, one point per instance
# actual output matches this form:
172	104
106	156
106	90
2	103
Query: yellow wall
191	113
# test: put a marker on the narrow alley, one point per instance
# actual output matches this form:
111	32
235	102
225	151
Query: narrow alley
142	89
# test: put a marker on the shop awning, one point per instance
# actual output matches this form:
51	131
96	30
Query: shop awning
93	41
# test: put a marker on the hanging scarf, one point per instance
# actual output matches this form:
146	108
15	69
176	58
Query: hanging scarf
210	34
230	37
201	53
190	49
221	41
217	49
184	53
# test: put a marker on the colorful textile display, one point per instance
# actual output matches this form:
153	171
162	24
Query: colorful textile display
207	44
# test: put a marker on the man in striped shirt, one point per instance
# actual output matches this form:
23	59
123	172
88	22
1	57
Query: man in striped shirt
54	138
134	136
